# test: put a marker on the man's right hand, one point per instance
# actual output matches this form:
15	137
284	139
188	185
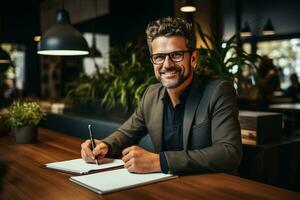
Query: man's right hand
100	151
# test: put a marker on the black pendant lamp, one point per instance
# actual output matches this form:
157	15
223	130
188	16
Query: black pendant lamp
269	28
63	39
94	52
4	56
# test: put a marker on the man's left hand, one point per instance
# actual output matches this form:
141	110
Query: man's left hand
139	160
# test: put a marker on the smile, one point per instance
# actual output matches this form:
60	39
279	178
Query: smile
170	71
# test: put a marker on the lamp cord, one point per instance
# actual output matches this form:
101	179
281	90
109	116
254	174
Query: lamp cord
94	28
95	5
94	40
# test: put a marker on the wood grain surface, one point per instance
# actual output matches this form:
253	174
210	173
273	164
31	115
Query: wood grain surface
27	180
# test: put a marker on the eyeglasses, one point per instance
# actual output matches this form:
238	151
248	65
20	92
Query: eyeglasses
175	56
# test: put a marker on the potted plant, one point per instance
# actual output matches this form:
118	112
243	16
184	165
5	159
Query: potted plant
24	116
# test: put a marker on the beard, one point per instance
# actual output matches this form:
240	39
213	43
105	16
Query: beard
171	83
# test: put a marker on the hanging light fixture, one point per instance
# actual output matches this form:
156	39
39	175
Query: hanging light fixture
4	56
93	62
188	6
94	52
246	31
269	28
62	39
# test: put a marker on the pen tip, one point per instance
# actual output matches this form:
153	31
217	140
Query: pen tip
89	126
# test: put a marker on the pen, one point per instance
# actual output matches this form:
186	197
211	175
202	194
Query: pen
92	140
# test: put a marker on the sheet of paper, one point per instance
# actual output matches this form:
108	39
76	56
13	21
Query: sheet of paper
81	167
115	180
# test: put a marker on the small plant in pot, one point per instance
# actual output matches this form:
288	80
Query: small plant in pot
24	117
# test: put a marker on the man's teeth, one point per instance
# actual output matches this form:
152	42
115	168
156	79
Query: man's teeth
171	72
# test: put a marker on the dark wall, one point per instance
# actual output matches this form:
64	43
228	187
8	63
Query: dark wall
19	23
284	15
128	20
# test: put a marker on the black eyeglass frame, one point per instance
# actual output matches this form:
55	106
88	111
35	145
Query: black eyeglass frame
169	54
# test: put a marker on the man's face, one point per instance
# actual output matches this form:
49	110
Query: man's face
170	70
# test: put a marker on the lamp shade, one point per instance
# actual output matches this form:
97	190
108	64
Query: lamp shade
4	56
269	28
188	6
246	31
94	52
62	39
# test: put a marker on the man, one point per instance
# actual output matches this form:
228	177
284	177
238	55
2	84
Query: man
293	90
192	120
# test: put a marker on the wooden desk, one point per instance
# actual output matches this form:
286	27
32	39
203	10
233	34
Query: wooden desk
27	180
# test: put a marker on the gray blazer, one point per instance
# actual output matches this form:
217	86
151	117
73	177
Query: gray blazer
211	131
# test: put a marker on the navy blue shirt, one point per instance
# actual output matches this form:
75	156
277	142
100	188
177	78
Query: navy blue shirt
172	126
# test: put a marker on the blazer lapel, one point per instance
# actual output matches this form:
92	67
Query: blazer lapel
158	122
191	105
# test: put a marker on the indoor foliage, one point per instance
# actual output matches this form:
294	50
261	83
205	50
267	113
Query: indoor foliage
224	59
130	73
23	113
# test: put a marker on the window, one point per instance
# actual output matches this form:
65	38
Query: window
286	57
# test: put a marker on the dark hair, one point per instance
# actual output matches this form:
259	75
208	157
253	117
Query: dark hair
170	26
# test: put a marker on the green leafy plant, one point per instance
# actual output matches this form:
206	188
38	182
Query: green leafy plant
130	73
23	113
86	89
223	59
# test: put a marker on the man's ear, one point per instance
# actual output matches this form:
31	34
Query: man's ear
194	57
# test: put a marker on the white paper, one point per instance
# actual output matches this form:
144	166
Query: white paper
110	181
81	167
